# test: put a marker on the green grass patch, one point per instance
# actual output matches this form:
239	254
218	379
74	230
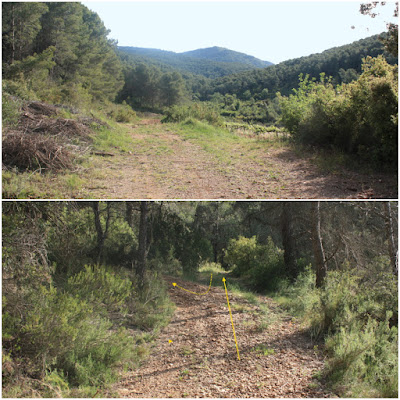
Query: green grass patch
114	138
264	350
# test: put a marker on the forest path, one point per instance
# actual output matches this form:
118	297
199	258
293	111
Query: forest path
201	360
167	162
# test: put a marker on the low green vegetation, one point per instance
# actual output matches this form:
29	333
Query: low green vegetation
195	111
354	314
359	118
70	325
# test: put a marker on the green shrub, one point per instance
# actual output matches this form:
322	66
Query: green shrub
10	110
151	309
354	319
18	89
258	264
121	112
197	111
61	332
363	359
99	286
301	298
340	304
359	118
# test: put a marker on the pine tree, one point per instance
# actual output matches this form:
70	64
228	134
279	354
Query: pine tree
20	26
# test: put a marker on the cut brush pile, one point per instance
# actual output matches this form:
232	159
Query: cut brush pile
40	141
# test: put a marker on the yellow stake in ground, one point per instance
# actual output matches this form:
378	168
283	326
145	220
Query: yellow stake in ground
201	294
230	313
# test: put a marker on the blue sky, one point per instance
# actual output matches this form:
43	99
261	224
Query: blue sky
270	30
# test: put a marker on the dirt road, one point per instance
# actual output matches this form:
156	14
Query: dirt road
195	355
164	164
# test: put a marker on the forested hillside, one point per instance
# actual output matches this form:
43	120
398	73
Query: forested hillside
59	52
342	63
84	293
211	63
225	55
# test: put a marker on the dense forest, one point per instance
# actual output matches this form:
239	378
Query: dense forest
83	283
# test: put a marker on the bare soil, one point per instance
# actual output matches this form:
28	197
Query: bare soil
195	355
165	165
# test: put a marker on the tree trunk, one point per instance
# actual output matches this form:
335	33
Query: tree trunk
13	34
393	252
215	236
129	213
288	241
101	234
142	253
317	246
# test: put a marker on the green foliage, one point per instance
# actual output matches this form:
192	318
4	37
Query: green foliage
105	290
283	77
167	263
148	88
59	52
301	297
249	110
10	110
151	309
364	359
258	264
211	267
350	315
62	332
120	245
21	23
197	111
121	113
263	349
358	118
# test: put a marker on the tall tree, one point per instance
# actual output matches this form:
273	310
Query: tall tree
102	233
288	240
392	247
20	26
317	245
172	88
143	243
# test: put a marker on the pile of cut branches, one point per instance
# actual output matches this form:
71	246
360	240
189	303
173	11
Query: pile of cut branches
35	152
42	141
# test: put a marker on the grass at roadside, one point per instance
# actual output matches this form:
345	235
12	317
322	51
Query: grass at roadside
105	139
227	146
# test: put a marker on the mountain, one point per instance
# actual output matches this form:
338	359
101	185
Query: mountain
343	63
222	54
214	62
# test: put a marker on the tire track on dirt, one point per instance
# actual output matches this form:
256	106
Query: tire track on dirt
202	361
163	165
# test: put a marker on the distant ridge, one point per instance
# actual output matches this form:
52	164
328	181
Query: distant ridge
222	54
211	62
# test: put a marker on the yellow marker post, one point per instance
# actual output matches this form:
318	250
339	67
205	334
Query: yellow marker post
201	294
230	313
